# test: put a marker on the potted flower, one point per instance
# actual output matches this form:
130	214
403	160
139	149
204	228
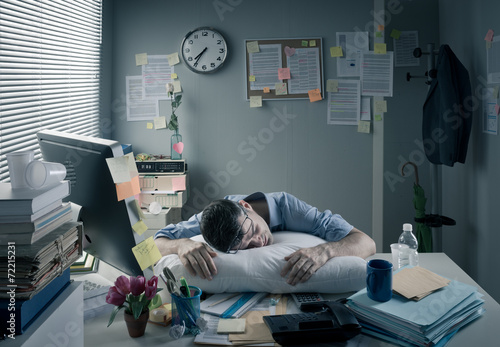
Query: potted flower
134	295
176	145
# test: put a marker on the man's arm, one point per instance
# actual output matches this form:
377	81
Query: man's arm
302	264
195	256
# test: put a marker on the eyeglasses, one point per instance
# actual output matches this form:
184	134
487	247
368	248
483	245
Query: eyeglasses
245	227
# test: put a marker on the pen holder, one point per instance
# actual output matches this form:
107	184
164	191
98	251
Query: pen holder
186	309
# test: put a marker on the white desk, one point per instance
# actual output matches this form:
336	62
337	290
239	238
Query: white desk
482	332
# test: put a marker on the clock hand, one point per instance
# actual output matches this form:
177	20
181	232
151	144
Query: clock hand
198	57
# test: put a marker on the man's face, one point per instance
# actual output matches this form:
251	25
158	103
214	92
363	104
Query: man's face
256	232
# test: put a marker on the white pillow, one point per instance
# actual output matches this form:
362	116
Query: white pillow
258	269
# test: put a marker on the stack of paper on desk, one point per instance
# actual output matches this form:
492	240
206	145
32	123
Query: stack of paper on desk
431	321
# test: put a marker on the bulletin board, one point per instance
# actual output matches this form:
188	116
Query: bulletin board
303	57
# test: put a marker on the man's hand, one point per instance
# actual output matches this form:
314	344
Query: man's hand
195	256
302	264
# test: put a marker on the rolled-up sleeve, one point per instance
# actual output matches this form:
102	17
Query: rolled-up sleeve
185	229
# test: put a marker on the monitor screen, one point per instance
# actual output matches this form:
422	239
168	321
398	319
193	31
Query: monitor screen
107	222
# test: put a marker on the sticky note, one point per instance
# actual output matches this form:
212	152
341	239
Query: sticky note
304	43
146	253
173	76
149	125
289	51
380	48
378	34
177	86
138	209
284	73
380	106
231	326
256	101
178	183
380	27
160	122
312	43
251	78
267	90
497	109
314	95
140	227
141	59
280	89
253	47
128	189
378	117
364	126
489	44
122	168
332	86
173	58
489	35
395	34
336	51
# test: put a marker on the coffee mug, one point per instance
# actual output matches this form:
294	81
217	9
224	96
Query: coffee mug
379	280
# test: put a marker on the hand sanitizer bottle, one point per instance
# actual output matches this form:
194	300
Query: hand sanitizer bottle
408	254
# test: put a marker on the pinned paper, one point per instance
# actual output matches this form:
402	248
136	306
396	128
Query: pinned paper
289	51
380	48
140	227
160	122
395	34
489	44
378	34
336	51
267	90
312	43
380	27
284	73
178	183
141	59
314	95
332	86
173	58
489	35
173	75
380	106
251	78
495	92
497	109
253	47
149	125
122	168
364	126
178	147
256	101
128	189
378	117
177	86
304	43
280	89
146	253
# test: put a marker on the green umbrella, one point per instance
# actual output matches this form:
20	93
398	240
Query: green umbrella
422	231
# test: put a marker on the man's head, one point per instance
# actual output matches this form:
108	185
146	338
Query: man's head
229	226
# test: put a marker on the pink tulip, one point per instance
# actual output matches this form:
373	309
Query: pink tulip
114	297
122	284
151	286
137	285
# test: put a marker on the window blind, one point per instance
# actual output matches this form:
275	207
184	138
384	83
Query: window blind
50	58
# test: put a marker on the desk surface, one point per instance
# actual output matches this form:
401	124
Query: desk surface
481	332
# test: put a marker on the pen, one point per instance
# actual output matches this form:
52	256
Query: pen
223	300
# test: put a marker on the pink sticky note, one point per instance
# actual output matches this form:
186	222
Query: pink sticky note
489	35
497	109
289	51
179	183
284	73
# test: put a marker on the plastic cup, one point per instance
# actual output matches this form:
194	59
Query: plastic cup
41	174
186	309
17	162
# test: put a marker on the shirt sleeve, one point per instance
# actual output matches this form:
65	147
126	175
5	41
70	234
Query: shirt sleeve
297	215
181	230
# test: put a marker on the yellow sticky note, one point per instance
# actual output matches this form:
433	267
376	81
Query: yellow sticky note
149	125
489	44
141	59
284	73
314	95
173	76
137	206
256	101
380	48
177	86
253	47
312	43
146	253
160	122
380	106
364	126
332	86
304	43
380	27
173	59
378	117
336	51
251	78
128	189
280	89
378	34
140	227
267	90
395	34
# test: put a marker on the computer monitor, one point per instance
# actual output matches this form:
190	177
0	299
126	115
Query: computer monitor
107	222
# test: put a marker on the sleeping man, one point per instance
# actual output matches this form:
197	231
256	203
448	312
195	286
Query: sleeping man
241	222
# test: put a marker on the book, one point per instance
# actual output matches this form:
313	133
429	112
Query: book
28	237
24	201
25	218
234	307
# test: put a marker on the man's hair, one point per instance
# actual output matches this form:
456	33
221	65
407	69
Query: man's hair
219	223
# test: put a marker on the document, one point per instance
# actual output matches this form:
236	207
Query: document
352	44
404	46
155	75
344	106
304	70
493	61
264	66
490	115
377	74
137	108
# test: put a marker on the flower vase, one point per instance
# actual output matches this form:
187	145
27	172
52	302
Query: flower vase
136	327
176	146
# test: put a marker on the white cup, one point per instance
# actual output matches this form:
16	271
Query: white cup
18	161
41	174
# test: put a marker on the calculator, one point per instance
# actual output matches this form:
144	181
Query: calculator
302	298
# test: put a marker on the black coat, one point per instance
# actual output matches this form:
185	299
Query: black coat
447	117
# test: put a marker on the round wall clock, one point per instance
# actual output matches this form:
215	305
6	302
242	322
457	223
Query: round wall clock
204	50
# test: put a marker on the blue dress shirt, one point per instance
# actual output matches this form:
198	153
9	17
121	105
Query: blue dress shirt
286	213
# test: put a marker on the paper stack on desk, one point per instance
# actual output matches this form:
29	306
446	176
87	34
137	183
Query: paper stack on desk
430	321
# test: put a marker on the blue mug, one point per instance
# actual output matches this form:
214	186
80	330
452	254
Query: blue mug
379	280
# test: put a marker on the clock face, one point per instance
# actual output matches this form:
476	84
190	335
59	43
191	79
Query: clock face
204	50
